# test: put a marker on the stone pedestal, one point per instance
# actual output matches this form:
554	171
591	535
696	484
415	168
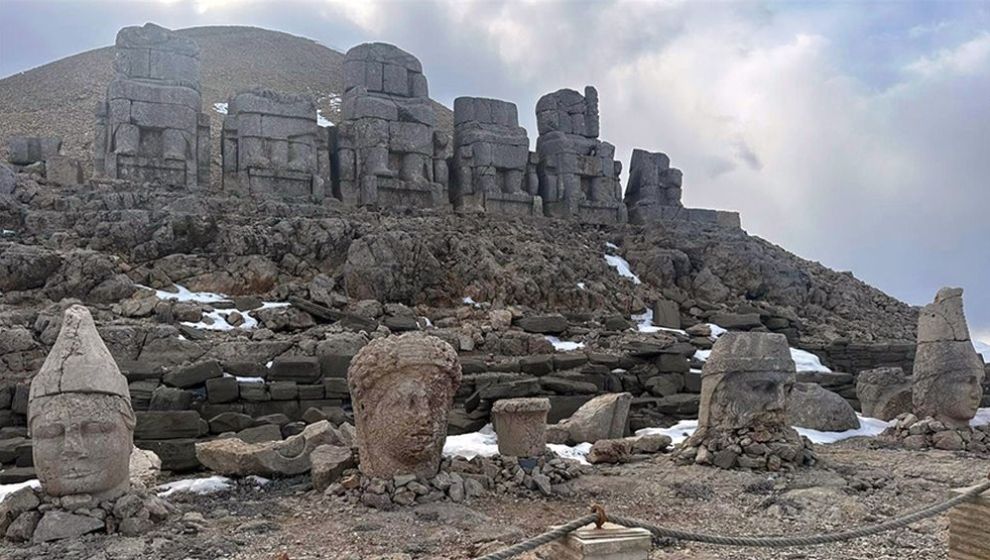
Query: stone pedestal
969	532
611	542
521	425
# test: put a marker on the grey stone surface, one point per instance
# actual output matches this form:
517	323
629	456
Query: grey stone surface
388	150
328	464
287	457
521	425
603	417
491	164
578	174
884	393
812	406
58	524
948	373
402	389
150	127
77	388
272	147
25	150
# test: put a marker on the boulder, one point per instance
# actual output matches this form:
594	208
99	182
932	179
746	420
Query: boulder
604	417
610	451
884	393
145	467
233	457
328	464
193	375
57	524
813	407
553	323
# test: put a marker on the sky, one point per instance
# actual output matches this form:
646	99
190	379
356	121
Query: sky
856	134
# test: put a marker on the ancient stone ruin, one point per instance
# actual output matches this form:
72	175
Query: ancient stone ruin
742	420
521	426
884	392
491	166
402	389
579	177
273	147
653	194
389	151
151	128
82	427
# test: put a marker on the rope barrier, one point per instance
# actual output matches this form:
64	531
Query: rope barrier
770	542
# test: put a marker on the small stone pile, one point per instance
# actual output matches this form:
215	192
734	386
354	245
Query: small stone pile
749	448
31	515
925	433
461	479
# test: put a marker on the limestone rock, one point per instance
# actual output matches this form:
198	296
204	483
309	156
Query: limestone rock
144	467
402	389
603	417
610	451
329	463
233	457
884	393
57	525
521	426
553	323
814	407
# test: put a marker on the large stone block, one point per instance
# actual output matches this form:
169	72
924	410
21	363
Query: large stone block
173	424
25	150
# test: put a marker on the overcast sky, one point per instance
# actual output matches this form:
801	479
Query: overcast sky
852	133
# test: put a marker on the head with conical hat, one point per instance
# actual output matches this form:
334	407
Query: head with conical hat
746	381
80	415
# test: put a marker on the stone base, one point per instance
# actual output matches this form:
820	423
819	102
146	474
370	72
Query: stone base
30	515
928	433
587	211
461	479
649	213
753	448
611	542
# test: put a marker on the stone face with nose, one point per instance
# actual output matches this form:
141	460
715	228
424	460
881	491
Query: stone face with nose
402	388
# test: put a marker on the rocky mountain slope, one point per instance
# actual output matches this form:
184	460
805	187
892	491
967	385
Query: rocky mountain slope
58	99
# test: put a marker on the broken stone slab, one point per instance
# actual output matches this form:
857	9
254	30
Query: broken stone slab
814	407
171	424
302	369
553	323
222	390
231	422
329	463
57	524
884	393
193	375
233	457
177	455
604	417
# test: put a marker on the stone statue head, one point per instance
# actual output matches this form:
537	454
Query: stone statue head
746	381
402	388
948	373
80	415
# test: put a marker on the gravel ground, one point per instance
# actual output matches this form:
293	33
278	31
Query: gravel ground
855	483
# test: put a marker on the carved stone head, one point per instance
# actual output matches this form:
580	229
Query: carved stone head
402	388
746	381
80	415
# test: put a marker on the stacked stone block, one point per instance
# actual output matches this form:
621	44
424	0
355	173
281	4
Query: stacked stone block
578	174
273	148
388	150
492	171
151	127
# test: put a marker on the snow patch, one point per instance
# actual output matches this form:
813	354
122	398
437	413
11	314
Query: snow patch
484	443
716	331
581	286
7	232
564	345
622	267
868	427
803	361
220	108
982	417
201	486
611	245
250	379
321	120
644	323
183	294
8	489
257	480
468	300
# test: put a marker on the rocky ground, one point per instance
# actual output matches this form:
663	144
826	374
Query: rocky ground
855	483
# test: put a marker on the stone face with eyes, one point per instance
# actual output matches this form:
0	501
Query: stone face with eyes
402	388
747	381
82	445
80	415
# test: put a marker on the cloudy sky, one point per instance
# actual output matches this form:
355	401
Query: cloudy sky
852	133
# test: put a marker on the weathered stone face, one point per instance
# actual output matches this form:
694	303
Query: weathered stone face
492	171
578	174
388	150
402	388
80	415
273	147
746	381
948	373
150	128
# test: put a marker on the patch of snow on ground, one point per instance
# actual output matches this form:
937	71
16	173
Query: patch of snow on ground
250	379
564	345
982	348
982	417
484	443
8	489
868	427
427	322
581	286
321	120
611	245
468	300
7	232
182	294
716	330
220	108
208	485
622	266
219	321
804	361
257	480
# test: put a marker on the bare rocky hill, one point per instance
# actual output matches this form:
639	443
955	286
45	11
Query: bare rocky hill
58	99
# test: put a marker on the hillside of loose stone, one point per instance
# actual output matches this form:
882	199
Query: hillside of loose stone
58	98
